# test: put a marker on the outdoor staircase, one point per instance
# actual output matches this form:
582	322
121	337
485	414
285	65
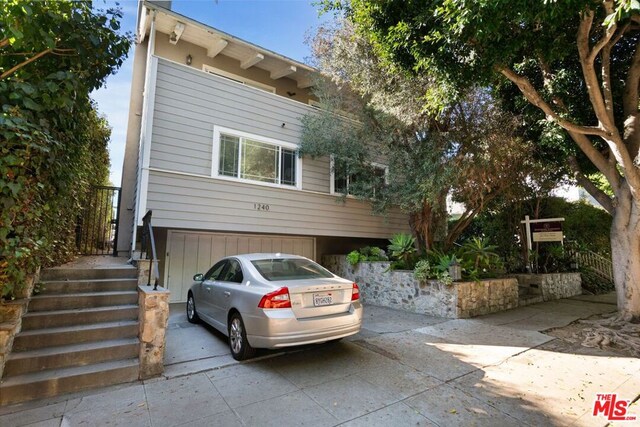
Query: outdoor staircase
529	294
80	331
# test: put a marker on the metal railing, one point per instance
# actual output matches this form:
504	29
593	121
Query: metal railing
97	225
148	249
597	263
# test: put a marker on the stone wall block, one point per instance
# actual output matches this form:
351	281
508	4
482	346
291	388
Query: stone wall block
153	318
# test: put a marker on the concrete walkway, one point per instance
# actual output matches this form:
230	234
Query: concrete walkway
401	370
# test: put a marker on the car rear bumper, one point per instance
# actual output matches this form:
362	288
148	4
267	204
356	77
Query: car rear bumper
280	328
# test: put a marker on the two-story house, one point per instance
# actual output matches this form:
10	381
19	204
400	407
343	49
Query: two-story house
213	131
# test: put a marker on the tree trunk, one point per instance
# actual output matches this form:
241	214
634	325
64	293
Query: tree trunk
625	254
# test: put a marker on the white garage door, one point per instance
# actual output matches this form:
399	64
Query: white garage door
190	253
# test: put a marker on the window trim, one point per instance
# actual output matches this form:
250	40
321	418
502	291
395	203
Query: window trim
215	163
332	176
238	79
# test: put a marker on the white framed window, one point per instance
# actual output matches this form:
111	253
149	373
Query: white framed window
252	158
238	79
341	181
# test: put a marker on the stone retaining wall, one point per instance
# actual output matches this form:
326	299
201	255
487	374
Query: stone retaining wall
11	313
554	285
399	289
153	317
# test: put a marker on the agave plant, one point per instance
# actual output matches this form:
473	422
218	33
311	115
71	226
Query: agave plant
479	251
402	247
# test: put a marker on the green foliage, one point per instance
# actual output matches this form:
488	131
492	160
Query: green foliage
53	144
368	253
422	270
479	251
466	148
353	257
585	226
476	258
402	251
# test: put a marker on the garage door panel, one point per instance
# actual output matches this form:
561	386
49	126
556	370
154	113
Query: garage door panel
255	245
204	253
192	252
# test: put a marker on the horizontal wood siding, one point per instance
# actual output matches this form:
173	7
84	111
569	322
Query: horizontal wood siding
189	103
316	174
180	201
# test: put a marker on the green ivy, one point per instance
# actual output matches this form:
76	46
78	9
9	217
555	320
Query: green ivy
53	143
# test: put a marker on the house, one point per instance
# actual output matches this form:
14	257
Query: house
214	125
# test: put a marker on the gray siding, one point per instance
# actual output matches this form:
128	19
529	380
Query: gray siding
201	203
187	106
316	174
189	103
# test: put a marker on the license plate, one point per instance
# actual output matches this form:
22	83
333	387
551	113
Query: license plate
322	299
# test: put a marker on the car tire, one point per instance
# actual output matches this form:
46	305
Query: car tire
192	314
238	344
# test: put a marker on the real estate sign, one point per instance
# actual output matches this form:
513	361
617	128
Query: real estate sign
543	230
548	231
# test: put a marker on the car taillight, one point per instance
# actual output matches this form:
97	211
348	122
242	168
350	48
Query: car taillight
276	299
355	293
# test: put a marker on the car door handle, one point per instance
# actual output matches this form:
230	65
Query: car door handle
227	293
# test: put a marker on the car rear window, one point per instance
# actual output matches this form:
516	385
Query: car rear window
290	269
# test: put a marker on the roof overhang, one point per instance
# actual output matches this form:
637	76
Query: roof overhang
216	42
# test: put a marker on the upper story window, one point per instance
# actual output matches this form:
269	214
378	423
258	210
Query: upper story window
345	183
252	158
238	79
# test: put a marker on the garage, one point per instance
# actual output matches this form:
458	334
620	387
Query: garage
189	253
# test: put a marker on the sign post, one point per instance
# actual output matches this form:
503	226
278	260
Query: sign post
542	230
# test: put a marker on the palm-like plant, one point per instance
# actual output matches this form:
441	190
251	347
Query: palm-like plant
402	247
479	251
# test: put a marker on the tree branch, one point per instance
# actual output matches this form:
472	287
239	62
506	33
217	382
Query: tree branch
630	105
601	197
24	63
587	59
4	42
534	97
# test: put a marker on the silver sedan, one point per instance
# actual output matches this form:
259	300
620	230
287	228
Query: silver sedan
273	301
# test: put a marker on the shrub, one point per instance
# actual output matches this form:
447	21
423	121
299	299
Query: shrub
368	253
402	252
422	270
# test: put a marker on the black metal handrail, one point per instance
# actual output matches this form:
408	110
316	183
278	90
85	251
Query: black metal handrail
147	241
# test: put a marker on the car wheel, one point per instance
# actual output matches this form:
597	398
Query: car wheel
240	347
192	314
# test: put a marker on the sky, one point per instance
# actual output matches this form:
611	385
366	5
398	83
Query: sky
278	25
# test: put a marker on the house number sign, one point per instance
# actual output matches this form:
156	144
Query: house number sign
261	207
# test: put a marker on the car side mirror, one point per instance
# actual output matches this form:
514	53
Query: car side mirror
198	277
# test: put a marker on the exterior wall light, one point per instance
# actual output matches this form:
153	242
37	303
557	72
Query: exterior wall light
189	59
455	271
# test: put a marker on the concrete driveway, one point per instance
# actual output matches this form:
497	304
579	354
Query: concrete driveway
401	370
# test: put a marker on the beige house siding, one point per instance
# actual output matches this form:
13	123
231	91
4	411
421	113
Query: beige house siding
178	53
189	103
191	202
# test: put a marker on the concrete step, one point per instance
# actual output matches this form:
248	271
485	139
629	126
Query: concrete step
50	274
54	382
528	300
81	300
84	316
524	290
77	286
76	334
24	362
